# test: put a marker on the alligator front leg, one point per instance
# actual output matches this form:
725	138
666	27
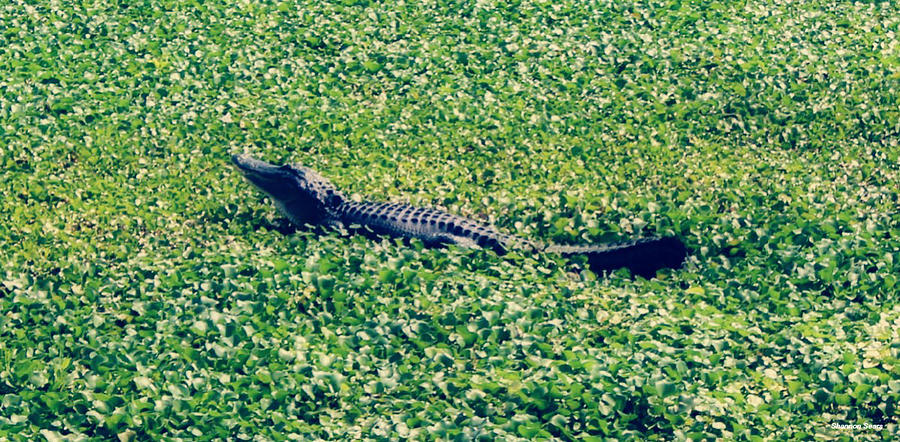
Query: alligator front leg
335	224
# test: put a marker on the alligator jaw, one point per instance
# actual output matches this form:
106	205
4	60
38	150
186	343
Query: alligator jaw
251	166
274	180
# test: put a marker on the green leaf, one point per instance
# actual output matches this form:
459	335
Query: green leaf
665	388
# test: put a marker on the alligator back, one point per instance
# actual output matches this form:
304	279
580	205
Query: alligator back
432	226
436	227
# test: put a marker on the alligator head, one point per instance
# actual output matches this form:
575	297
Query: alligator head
303	195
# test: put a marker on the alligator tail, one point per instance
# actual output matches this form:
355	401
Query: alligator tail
643	257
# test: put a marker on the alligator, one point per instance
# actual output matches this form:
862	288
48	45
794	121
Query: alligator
307	198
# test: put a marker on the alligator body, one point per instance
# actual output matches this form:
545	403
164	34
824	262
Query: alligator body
306	197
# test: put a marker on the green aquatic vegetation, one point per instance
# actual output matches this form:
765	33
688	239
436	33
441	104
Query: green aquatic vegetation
146	291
